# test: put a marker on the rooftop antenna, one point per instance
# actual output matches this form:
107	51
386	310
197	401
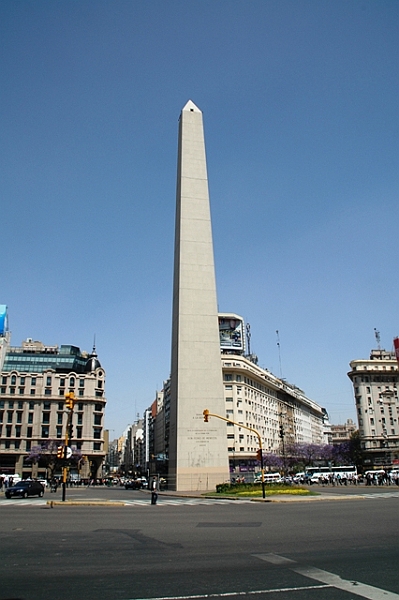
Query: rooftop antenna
248	330
279	353
378	338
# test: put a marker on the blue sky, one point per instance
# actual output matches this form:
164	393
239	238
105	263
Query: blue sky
300	103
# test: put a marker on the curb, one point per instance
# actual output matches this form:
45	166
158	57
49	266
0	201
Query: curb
52	503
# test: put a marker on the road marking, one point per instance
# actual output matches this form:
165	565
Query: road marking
330	579
228	594
354	587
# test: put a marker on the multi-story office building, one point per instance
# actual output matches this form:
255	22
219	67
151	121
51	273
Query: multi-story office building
34	381
375	385
253	397
342	433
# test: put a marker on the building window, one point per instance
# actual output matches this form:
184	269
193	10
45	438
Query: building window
18	431
7	445
31	405
33	392
45	431
19	417
59	432
30	417
12	391
79	432
80	406
3	390
81	383
33	381
29	432
98	407
80	418
99	393
9	416
17	444
62	382
48	381
47	392
8	430
46	405
238	377
97	446
97	434
46	417
97	419
81	392
21	391
59	418
13	380
72	382
4	380
28	445
228	377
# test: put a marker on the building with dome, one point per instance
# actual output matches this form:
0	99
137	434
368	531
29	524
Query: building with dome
33	413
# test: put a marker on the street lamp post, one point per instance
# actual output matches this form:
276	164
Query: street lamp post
207	414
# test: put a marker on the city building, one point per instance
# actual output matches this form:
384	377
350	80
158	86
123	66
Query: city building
34	381
254	398
342	433
375	386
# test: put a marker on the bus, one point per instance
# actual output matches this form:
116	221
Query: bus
341	472
345	472
310	471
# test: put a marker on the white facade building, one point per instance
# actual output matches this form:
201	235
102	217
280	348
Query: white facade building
375	385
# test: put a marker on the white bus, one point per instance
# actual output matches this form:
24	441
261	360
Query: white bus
341	472
345	472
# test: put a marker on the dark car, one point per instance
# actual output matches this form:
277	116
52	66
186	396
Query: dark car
133	484
25	489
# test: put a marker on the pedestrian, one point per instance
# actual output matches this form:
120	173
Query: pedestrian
154	487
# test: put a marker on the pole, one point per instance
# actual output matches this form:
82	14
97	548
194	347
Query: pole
207	414
70	401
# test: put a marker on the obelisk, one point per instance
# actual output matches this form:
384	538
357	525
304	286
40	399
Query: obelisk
198	458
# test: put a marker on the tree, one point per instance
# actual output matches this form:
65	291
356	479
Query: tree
45	455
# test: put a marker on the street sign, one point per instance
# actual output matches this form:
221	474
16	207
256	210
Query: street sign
68	452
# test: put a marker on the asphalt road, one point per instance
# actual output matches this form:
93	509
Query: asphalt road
287	551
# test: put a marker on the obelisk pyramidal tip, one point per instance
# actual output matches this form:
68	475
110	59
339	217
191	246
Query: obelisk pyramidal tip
198	457
190	106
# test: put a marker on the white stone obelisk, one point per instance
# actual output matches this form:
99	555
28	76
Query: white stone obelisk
198	458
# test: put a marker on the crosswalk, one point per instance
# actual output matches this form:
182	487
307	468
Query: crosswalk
162	501
170	501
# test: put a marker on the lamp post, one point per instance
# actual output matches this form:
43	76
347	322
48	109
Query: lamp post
208	414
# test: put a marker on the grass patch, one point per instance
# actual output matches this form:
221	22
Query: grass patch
248	490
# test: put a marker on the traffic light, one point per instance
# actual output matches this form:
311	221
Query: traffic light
259	454
206	415
70	400
282	433
60	452
70	431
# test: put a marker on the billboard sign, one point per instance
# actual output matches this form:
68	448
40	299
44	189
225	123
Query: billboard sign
231	333
3	319
396	346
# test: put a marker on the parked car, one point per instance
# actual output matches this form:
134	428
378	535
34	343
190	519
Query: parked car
25	489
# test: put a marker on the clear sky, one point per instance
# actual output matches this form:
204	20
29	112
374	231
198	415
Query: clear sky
300	103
